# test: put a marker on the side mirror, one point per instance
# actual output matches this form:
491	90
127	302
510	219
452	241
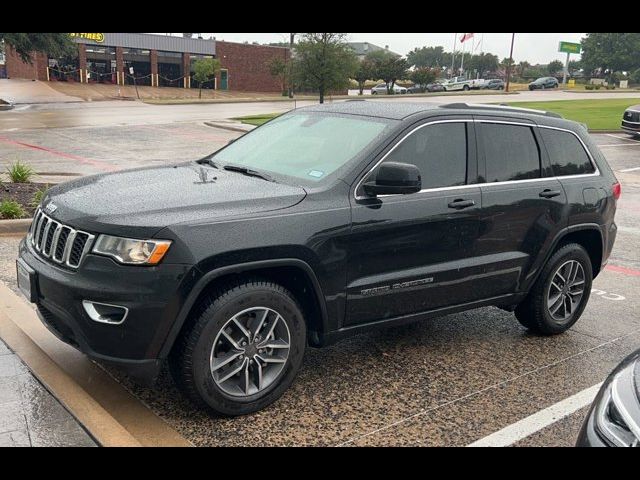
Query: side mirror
394	178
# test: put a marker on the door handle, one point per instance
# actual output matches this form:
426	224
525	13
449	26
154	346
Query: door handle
548	193
459	204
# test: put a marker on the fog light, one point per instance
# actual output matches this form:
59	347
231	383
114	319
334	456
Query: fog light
105	313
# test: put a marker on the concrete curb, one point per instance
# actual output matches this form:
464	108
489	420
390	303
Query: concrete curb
233	126
12	227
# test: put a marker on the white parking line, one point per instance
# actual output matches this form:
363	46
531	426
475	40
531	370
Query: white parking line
630	169
620	145
627	139
536	422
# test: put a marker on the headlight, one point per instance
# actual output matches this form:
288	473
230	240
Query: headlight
618	412
131	251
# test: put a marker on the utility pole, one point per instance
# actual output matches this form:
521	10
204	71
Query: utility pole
291	39
513	35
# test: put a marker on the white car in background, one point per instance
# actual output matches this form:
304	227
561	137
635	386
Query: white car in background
458	83
381	89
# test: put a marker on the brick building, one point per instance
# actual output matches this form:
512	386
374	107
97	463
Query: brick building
154	60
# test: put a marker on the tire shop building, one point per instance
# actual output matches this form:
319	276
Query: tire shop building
154	60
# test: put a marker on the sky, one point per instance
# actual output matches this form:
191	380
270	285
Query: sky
532	47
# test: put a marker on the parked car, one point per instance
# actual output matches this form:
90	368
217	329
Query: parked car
477	83
631	120
457	83
493	84
544	83
430	87
325	222
614	417
381	89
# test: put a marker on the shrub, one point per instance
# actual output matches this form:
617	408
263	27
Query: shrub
11	209
610	87
38	196
20	172
589	87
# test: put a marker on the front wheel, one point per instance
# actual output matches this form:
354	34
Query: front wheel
560	295
465	88
373	92
243	348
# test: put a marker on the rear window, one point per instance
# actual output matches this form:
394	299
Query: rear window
511	152
566	153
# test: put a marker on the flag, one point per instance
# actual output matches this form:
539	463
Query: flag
466	36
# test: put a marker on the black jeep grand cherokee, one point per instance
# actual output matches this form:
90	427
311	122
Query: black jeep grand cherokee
327	221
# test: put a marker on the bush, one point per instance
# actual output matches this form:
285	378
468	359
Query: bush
38	196
11	209
20	172
610	87
589	87
635	77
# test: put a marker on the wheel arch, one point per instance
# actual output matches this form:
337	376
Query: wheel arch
589	236
293	273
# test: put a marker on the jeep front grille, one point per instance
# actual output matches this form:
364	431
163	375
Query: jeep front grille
58	242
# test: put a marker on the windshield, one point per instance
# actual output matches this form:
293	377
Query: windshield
308	146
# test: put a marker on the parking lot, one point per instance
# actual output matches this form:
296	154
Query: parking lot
449	381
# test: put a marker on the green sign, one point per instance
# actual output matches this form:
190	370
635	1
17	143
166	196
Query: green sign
568	47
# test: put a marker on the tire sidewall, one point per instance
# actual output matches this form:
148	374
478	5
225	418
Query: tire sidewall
570	252
218	315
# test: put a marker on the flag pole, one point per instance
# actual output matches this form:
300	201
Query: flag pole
462	63
453	55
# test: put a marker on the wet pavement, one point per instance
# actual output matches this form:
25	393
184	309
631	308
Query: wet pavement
29	415
446	381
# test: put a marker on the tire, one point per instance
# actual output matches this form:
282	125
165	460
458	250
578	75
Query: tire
466	88
542	87
192	357
534	312
373	92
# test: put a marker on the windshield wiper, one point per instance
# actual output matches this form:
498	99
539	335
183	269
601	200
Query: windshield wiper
249	172
208	161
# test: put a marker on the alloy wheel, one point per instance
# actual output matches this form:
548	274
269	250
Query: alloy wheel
250	351
566	290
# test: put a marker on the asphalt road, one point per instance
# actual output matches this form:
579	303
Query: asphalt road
449	381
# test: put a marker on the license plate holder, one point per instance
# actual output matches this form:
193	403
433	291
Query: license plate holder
26	277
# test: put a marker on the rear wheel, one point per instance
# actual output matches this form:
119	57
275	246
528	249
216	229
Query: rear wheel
243	348
465	88
560	294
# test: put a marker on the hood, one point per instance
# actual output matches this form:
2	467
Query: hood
140	202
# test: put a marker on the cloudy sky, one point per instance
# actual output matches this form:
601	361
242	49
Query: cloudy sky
532	47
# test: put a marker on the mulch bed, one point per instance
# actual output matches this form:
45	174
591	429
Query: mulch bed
22	193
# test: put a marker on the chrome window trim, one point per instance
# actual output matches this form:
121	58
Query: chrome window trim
484	184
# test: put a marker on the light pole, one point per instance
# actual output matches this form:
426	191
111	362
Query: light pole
513	35
291	39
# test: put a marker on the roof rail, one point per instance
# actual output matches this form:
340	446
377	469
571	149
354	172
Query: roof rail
499	108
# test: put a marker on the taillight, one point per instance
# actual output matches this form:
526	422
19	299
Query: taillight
617	190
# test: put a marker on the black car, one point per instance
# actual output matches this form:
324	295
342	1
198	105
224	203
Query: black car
325	222
544	83
430	87
614	417
631	120
493	84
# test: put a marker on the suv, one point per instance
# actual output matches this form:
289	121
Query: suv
325	222
544	83
631	120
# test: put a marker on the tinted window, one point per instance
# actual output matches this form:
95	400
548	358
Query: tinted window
511	152
566	153
439	151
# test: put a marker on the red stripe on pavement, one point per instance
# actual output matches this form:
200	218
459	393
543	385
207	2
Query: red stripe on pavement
626	271
87	161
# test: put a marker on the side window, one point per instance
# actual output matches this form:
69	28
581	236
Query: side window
511	152
439	151
566	153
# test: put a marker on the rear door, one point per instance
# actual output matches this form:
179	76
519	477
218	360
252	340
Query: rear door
523	204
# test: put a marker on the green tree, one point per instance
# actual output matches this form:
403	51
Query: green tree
554	67
205	69
522	68
278	68
51	44
482	63
364	72
610	52
423	76
428	57
635	77
388	67
575	66
324	62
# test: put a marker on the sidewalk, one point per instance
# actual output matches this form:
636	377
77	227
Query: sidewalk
29	415
17	91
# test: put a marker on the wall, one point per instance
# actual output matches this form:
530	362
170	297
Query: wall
248	66
16	68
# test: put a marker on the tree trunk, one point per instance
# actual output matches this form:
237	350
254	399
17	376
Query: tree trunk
321	91
200	92
361	86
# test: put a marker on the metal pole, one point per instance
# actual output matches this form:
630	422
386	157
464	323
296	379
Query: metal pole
453	54
291	39
462	62
513	36
566	70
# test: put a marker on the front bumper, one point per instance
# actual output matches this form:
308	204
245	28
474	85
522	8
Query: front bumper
153	296
630	126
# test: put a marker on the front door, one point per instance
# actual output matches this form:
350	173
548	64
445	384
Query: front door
408	253
523	204
224	79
